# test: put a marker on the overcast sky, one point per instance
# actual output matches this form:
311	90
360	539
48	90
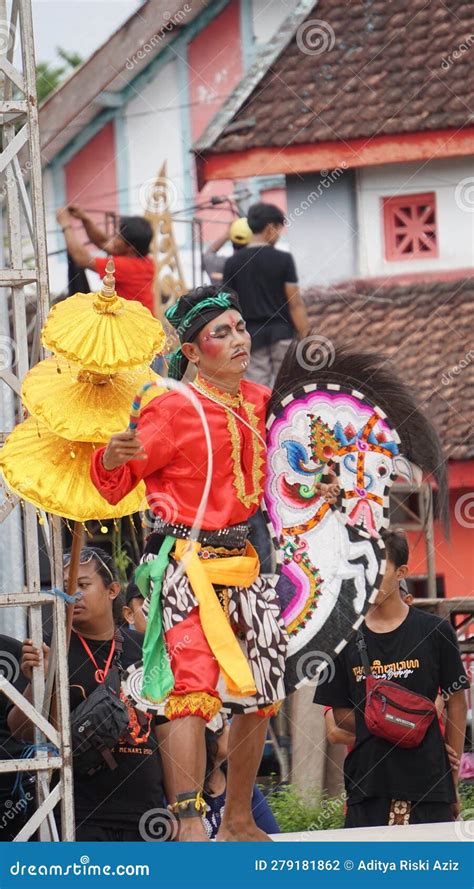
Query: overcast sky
79	25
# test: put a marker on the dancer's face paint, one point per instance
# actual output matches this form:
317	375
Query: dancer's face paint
224	346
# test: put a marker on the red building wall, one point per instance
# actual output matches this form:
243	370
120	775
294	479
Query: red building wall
91	177
215	68
454	557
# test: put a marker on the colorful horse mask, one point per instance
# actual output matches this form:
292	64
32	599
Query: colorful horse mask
332	558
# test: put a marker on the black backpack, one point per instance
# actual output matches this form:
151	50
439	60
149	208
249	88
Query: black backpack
98	722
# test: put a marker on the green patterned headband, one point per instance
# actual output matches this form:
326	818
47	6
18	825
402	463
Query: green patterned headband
220	301
202	312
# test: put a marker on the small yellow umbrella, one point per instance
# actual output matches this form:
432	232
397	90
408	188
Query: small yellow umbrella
80	405
102	332
54	475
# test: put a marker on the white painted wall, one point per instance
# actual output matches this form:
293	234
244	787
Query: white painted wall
57	263
267	17
153	137
322	228
455	225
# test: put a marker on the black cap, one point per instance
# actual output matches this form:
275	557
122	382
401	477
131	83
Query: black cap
132	592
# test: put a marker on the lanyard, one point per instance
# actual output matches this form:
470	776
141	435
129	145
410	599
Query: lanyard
99	675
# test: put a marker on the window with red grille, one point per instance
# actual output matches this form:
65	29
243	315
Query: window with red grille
410	226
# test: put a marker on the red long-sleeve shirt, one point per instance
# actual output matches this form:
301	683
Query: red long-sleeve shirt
175	469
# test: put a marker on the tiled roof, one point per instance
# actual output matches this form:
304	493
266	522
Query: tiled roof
426	330
358	69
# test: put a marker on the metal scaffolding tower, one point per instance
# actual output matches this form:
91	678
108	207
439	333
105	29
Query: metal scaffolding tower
24	304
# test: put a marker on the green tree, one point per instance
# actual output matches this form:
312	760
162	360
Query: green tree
49	75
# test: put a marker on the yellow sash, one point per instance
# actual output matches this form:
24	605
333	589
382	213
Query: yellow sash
228	571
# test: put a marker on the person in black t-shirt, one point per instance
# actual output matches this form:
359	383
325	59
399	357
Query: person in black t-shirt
385	783
267	284
109	804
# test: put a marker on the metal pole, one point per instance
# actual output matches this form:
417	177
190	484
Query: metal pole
427	505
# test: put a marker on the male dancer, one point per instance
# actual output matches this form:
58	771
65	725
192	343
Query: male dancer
221	619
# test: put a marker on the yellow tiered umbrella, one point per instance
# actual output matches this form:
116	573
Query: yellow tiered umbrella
97	404
103	332
54	475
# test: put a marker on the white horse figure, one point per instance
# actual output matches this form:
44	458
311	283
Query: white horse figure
323	547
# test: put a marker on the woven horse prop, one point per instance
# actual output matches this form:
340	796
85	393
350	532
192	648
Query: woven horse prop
340	420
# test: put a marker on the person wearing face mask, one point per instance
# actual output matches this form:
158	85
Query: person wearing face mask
110	803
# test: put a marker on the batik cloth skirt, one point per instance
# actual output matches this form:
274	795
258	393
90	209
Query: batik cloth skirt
201	685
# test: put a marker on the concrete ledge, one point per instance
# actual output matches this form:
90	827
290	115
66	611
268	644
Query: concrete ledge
452	831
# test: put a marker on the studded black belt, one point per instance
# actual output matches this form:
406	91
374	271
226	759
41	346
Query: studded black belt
234	536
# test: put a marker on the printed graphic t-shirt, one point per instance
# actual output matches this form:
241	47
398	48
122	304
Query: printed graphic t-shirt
422	654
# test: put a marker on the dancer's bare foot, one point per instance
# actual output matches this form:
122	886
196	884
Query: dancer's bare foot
242	832
191	830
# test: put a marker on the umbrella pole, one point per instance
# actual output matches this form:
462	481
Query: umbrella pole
77	540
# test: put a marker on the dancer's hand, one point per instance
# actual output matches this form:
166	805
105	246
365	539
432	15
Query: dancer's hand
31	657
122	447
329	492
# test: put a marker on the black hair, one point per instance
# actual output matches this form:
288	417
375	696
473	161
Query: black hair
260	215
137	232
396	544
104	563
